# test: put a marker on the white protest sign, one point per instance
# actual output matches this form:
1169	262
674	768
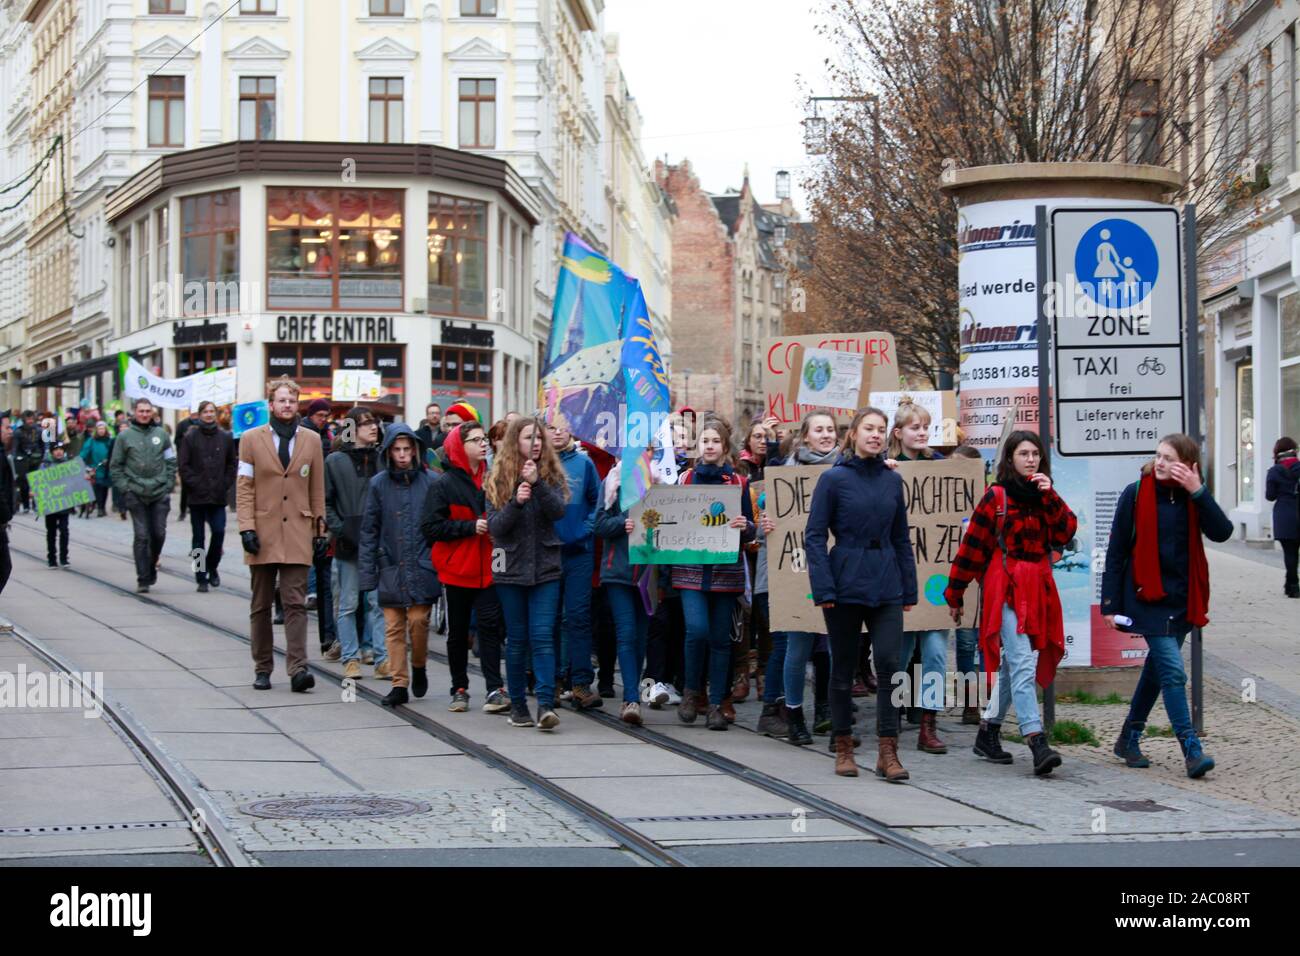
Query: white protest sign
357	385
215	385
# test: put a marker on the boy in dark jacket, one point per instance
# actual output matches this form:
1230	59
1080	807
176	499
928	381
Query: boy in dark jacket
455	522
208	461
394	559
56	523
348	473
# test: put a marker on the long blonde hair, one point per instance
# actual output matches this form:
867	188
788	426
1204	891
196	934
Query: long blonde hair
908	414
508	466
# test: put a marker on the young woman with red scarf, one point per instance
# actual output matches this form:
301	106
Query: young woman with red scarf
1008	547
1156	575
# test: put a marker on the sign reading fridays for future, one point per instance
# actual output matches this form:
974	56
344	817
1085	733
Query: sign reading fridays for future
60	487
940	497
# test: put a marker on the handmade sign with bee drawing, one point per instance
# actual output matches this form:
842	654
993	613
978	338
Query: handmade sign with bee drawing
686	524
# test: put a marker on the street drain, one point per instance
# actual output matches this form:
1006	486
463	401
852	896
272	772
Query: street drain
95	827
334	808
1135	806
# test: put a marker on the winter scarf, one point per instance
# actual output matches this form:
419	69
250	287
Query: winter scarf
1146	554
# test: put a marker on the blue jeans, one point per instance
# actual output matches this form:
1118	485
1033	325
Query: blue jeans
346	582
530	631
968	644
632	626
774	674
798	648
708	631
575	628
929	692
1015	680
1163	673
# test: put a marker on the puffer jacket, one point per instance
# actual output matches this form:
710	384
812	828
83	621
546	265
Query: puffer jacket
348	472
461	556
143	462
29	447
394	557
526	536
208	461
860	501
96	453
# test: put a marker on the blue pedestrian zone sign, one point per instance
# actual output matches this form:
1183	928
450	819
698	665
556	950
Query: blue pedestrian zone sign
1116	264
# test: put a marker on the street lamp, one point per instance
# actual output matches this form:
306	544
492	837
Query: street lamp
783	184
815	126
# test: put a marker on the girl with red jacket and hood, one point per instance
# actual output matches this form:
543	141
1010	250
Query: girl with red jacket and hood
455	521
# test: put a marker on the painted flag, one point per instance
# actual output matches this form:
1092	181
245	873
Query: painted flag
645	388
248	416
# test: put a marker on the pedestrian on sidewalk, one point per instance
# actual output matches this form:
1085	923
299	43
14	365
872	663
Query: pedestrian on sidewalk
1017	527
281	510
454	521
348	473
96	453
869	577
1157	576
1282	487
526	492
394	560
143	468
208	462
7	504
56	522
320	597
710	592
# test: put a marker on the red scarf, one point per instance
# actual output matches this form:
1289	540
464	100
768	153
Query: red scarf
1146	556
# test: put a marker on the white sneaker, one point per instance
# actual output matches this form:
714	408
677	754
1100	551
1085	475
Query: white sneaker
674	697
647	685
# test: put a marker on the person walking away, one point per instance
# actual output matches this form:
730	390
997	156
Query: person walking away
575	533
526	491
1009	544
56	522
96	453
208	464
869	578
280	494
454	521
1157	575
143	469
182	429
349	469
1282	487
710	591
394	560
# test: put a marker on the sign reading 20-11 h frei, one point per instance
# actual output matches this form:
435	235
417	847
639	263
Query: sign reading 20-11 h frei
1117	304
940	498
685	524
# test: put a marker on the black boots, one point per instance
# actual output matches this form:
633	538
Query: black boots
1045	758
396	696
771	723
1126	748
988	744
302	681
419	681
798	732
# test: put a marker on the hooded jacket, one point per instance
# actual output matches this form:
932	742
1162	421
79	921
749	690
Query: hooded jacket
575	528
394	557
143	462
461	556
208	461
860	501
348	472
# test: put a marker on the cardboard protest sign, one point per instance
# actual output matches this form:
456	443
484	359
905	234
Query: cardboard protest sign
357	385
686	524
940	496
942	407
830	379
60	487
780	362
216	385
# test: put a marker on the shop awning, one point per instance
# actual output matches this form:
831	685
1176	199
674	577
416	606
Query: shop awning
75	372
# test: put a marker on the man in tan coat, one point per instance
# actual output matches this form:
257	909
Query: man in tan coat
281	504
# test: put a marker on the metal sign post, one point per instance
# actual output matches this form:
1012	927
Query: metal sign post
1194	398
1044	395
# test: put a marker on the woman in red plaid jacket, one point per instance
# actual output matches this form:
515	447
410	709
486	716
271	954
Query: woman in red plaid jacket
1008	548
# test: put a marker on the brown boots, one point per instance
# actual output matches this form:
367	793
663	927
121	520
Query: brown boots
928	740
887	764
845	765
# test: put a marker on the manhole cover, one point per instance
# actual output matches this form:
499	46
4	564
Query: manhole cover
1136	806
334	808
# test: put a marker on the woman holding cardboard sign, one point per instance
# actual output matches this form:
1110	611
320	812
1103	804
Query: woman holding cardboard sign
868	577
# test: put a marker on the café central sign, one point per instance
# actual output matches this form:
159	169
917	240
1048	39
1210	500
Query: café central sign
370	329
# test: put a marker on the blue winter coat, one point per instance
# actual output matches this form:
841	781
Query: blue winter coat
394	558
860	501
1279	488
1119	587
575	528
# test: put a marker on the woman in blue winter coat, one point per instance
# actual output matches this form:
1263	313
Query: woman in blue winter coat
395	559
1280	488
869	578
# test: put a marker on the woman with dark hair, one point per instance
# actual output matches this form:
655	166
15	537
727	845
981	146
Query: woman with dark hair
1009	547
1158	578
1280	487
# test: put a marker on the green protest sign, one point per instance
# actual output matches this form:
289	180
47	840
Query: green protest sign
60	487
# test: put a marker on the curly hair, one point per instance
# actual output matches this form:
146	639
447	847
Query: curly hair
507	469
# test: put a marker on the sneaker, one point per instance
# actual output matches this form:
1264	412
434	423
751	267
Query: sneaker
64	563
331	653
352	670
645	688
142	589
498	702
546	719
383	671
674	695
367	656
661	694
311	602
565	695
459	702
631	713
52	563
584	698
519	716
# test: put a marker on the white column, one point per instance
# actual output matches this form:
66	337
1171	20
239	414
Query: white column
345	74
431	74
210	79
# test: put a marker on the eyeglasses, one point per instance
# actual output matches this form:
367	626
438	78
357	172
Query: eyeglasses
480	440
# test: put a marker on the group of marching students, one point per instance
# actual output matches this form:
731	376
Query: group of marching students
516	528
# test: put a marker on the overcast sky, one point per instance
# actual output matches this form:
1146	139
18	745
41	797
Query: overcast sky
717	82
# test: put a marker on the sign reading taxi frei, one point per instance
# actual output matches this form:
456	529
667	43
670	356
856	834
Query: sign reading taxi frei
1118	311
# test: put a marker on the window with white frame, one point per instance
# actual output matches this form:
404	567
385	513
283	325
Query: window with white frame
257	107
386	109
1288	317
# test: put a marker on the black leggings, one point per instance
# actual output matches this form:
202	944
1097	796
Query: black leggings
461	604
1291	557
885	632
666	645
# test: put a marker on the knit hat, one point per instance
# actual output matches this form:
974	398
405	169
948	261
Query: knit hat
466	411
320	405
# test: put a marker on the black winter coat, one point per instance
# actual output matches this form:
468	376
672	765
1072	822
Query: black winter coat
1279	488
348	473
394	558
208	461
526	534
